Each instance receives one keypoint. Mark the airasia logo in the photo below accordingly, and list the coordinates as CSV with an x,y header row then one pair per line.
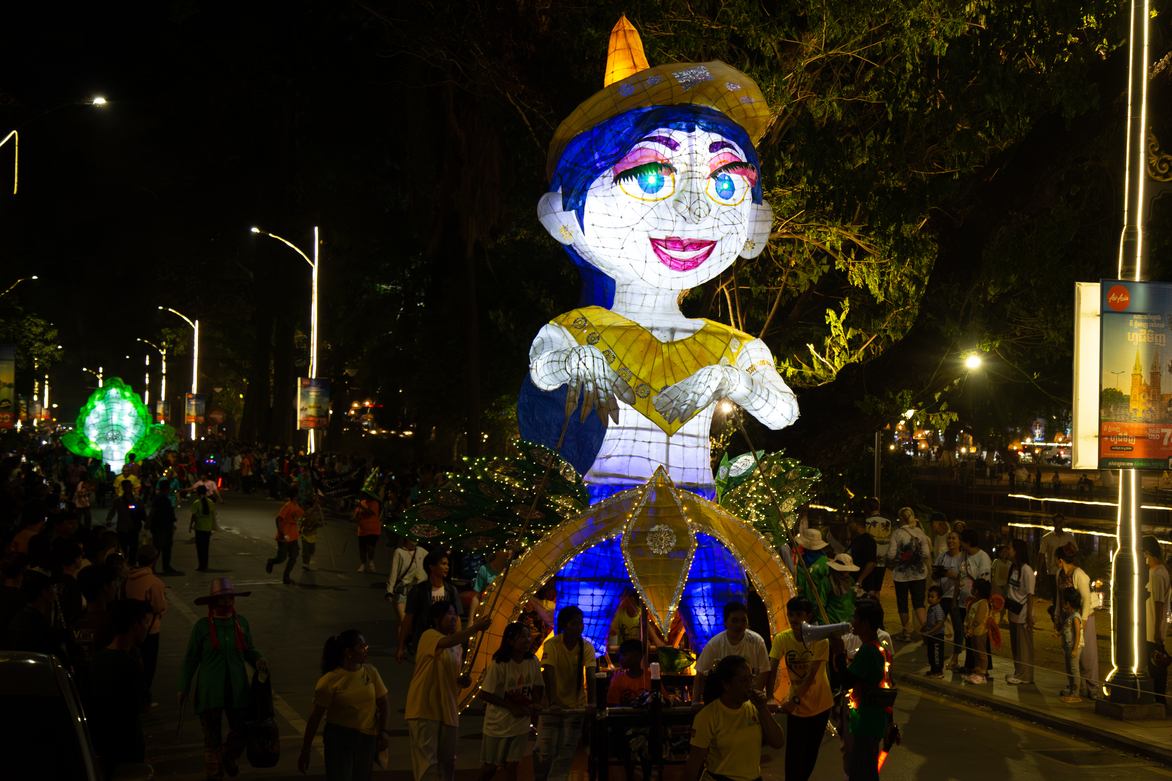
x,y
1118,298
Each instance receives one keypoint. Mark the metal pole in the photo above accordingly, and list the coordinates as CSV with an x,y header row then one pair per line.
x,y
195,370
878,465
313,329
1128,637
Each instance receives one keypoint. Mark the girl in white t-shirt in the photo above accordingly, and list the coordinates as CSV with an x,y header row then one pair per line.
x,y
513,689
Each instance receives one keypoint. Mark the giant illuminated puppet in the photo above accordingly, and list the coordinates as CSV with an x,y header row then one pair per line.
x,y
113,424
655,189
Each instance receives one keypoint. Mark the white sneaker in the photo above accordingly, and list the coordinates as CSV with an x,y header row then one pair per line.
x,y
1012,680
362,568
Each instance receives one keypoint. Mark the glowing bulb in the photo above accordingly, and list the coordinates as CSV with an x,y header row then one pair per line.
x,y
98,101
972,362
255,230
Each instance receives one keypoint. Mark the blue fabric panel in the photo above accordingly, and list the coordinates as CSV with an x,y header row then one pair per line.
x,y
540,417
595,580
714,580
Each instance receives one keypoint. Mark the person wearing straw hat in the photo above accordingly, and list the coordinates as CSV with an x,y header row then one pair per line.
x,y
840,603
218,648
654,189
813,571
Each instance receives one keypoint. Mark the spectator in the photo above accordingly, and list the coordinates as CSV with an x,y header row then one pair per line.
x,y
421,596
1047,564
122,513
736,640
975,565
34,516
908,553
12,600
567,668
353,699
1070,604
1159,590
203,523
367,513
947,573
81,500
93,629
432,712
513,690
862,552
162,522
728,732
142,583
67,561
933,632
879,528
940,529
976,629
32,629
999,571
406,570
287,534
808,702
1088,659
1019,601
118,691
219,648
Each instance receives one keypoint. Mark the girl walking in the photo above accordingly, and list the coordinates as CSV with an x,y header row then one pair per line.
x,y
353,699
513,689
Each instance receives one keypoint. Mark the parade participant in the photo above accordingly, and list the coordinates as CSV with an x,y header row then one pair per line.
x,y
1019,601
654,190
118,692
368,515
727,734
218,648
513,690
162,522
867,672
432,712
124,508
813,572
631,681
351,697
203,523
809,699
567,667
406,570
287,534
141,583
736,639
840,603
419,599
493,566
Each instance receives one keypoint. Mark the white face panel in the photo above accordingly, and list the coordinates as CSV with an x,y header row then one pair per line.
x,y
672,214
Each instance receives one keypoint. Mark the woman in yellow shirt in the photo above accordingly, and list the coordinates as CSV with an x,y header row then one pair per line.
x,y
727,734
351,696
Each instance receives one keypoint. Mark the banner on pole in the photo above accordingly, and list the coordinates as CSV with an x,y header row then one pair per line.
x,y
1135,421
339,486
195,403
162,411
34,409
313,403
22,407
8,407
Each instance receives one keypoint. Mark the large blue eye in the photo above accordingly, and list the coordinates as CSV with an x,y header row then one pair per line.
x,y
725,187
651,182
648,182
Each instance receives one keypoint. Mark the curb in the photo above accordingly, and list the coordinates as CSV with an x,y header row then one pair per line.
x,y
1067,726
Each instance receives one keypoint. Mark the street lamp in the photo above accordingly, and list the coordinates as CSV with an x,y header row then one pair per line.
x,y
163,370
195,357
15,136
97,374
14,284
313,264
972,362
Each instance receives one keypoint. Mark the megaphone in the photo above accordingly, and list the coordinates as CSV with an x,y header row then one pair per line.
x,y
812,634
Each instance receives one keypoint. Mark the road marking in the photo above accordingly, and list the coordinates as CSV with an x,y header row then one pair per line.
x,y
279,704
1021,724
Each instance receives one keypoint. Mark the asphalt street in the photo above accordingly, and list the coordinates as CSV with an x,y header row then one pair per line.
x,y
942,739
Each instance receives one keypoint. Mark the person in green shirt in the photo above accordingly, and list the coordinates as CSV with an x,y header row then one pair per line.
x,y
840,592
203,522
866,673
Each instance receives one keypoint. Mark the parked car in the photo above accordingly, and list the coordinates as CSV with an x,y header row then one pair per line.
x,y
44,726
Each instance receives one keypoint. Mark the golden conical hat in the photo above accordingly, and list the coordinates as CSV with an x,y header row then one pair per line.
x,y
624,56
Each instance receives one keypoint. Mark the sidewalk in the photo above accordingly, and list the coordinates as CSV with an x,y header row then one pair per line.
x,y
1037,702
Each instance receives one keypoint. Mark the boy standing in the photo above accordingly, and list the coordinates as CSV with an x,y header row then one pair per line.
x,y
286,536
933,633
632,681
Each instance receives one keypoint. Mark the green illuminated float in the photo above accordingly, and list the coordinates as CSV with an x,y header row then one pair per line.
x,y
115,422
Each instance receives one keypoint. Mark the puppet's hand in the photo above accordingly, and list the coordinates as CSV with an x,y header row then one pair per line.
x,y
599,385
687,397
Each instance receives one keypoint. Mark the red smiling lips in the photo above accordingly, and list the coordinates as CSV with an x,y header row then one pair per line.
x,y
682,254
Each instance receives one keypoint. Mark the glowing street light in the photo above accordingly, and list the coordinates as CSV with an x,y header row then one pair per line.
x,y
15,136
313,264
972,362
163,371
97,374
195,356
14,284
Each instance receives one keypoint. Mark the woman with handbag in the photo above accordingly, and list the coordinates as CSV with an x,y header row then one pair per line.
x,y
353,699
908,553
1019,601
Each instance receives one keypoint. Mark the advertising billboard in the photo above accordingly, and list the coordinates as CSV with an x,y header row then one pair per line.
x,y
8,408
194,411
313,403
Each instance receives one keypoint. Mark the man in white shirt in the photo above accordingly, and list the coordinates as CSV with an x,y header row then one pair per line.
x,y
1046,564
1159,589
879,528
975,565
406,570
736,640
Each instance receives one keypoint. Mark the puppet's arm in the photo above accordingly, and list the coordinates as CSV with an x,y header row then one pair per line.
x,y
555,359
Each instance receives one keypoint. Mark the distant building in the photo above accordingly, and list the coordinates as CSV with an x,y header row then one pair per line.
x,y
1148,401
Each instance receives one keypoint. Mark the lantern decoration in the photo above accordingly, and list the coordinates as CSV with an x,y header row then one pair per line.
x,y
113,423
487,507
750,497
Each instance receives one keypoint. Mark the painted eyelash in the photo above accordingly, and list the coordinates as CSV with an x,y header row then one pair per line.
x,y
646,168
747,170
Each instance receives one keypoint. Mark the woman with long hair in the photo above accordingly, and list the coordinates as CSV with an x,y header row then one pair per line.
x,y
1088,662
203,522
513,689
1019,601
353,699
728,732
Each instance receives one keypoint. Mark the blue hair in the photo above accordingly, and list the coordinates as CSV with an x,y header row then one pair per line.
x,y
590,153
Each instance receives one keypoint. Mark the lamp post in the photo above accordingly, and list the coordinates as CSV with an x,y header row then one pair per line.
x,y
97,374
162,370
195,356
313,264
15,136
14,284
